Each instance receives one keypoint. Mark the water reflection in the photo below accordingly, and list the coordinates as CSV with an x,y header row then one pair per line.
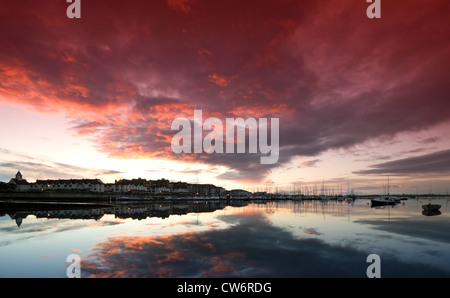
x,y
251,247
248,239
431,212
134,211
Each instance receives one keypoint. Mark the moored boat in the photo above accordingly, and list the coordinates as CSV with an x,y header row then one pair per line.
x,y
431,207
383,202
324,198
386,201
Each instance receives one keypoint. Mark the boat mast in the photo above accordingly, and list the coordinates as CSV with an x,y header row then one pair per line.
x,y
323,187
348,187
388,188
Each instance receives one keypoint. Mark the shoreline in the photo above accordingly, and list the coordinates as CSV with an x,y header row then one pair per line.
x,y
92,197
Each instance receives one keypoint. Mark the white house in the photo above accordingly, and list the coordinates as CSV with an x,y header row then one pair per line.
x,y
95,185
125,185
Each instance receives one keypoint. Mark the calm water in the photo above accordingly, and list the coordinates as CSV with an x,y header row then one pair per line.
x,y
198,239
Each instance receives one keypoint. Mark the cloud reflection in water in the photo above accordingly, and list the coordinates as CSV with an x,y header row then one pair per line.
x,y
250,247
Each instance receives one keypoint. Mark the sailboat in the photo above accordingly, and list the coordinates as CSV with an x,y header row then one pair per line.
x,y
323,197
349,197
384,201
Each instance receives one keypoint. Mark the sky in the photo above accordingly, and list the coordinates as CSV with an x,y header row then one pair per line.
x,y
358,99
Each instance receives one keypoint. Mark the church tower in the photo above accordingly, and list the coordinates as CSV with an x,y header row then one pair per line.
x,y
19,176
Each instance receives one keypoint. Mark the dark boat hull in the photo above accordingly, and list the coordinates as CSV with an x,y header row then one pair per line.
x,y
382,203
430,207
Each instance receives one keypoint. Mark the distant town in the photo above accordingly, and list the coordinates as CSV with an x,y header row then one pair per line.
x,y
126,187
162,187
129,186
138,187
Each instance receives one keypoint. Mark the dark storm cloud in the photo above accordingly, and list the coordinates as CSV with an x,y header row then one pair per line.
x,y
437,162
